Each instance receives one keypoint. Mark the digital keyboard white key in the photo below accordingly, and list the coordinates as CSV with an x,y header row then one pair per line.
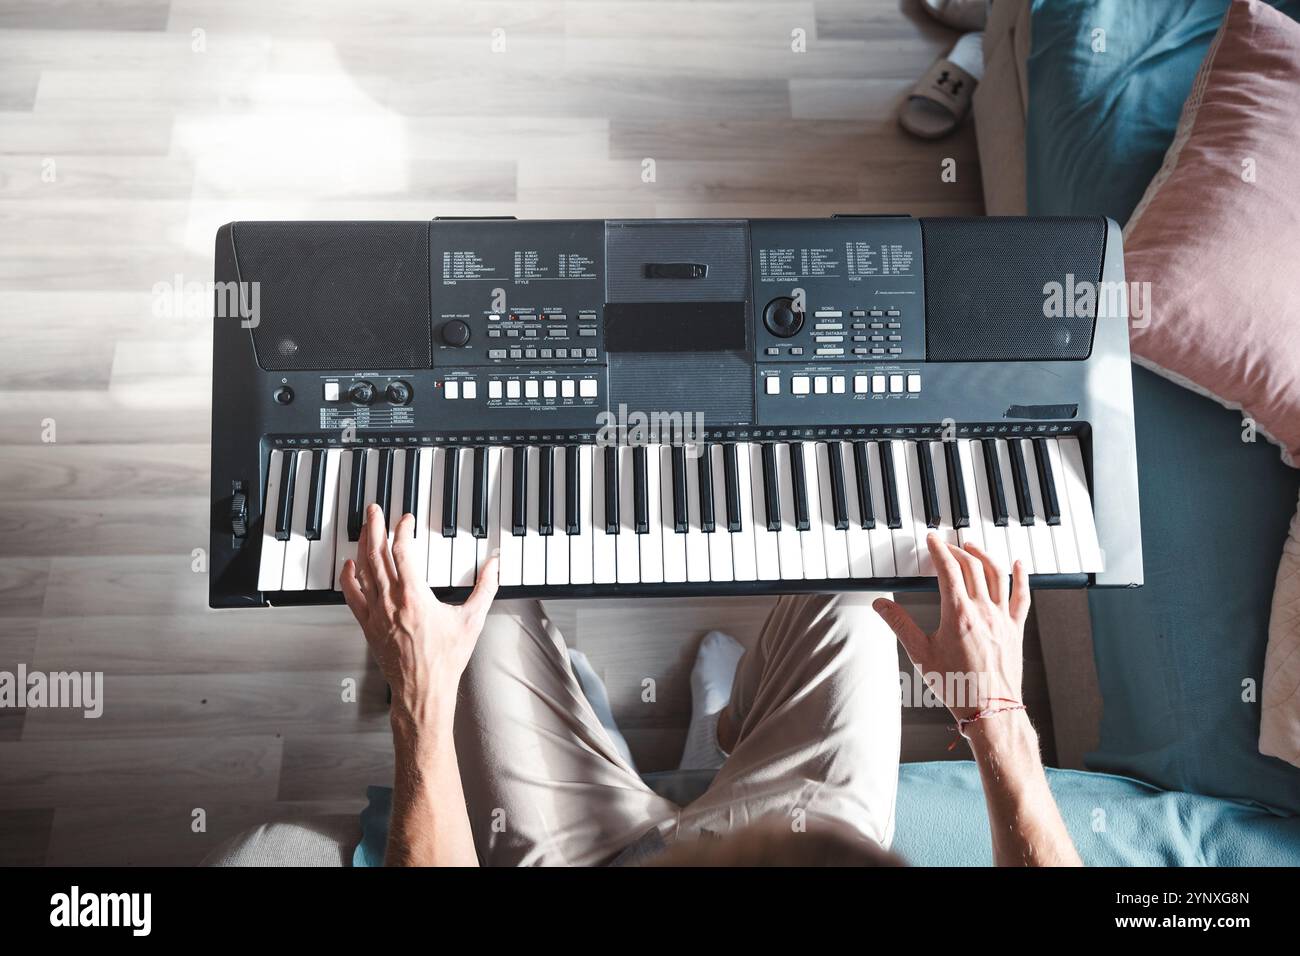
x,y
421,539
344,548
604,550
439,545
492,541
652,542
788,539
1075,480
674,544
557,545
298,547
882,539
396,482
580,545
920,530
697,545
1040,537
1067,549
512,545
720,568
743,561
270,572
464,547
320,555
767,549
1018,547
372,483
811,544
834,540
908,547
627,545
974,532
534,544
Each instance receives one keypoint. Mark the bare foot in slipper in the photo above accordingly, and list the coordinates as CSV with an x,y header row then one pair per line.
x,y
939,102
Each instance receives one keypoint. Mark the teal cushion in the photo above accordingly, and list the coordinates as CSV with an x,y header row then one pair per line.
x,y
942,820
1176,659
1114,821
1172,657
1099,123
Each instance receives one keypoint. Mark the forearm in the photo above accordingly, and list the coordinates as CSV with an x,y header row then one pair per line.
x,y
1026,825
429,825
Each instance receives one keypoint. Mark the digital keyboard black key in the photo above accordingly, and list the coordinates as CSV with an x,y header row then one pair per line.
x,y
384,481
611,489
284,508
771,488
681,510
704,466
839,504
479,519
640,491
572,493
545,490
799,480
862,473
316,497
1020,478
929,493
956,486
1047,482
519,492
893,516
357,494
731,479
450,492
993,474
411,486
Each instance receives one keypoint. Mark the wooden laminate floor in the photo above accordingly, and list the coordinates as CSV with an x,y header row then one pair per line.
x,y
131,129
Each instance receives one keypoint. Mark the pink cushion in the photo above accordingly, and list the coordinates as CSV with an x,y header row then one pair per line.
x,y
1221,253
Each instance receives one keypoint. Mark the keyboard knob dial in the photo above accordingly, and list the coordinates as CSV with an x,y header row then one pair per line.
x,y
456,333
362,393
398,393
781,318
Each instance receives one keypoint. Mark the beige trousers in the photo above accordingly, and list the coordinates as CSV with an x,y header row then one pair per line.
x,y
816,701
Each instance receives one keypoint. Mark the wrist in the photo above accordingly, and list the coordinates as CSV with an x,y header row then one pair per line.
x,y
1007,735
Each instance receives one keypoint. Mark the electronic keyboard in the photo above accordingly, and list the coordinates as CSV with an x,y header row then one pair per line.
x,y
671,407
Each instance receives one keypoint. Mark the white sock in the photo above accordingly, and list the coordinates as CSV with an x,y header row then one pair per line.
x,y
968,53
711,681
594,690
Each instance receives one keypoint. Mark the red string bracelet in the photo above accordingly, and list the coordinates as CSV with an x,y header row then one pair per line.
x,y
964,722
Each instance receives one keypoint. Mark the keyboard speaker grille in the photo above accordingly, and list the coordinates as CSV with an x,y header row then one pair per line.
x,y
984,287
717,385
338,295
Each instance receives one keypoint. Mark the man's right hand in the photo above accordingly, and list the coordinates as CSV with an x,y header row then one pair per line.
x,y
981,627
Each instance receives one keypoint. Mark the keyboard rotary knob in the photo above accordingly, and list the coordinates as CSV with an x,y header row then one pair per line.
x,y
398,393
362,393
239,514
456,333
781,318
